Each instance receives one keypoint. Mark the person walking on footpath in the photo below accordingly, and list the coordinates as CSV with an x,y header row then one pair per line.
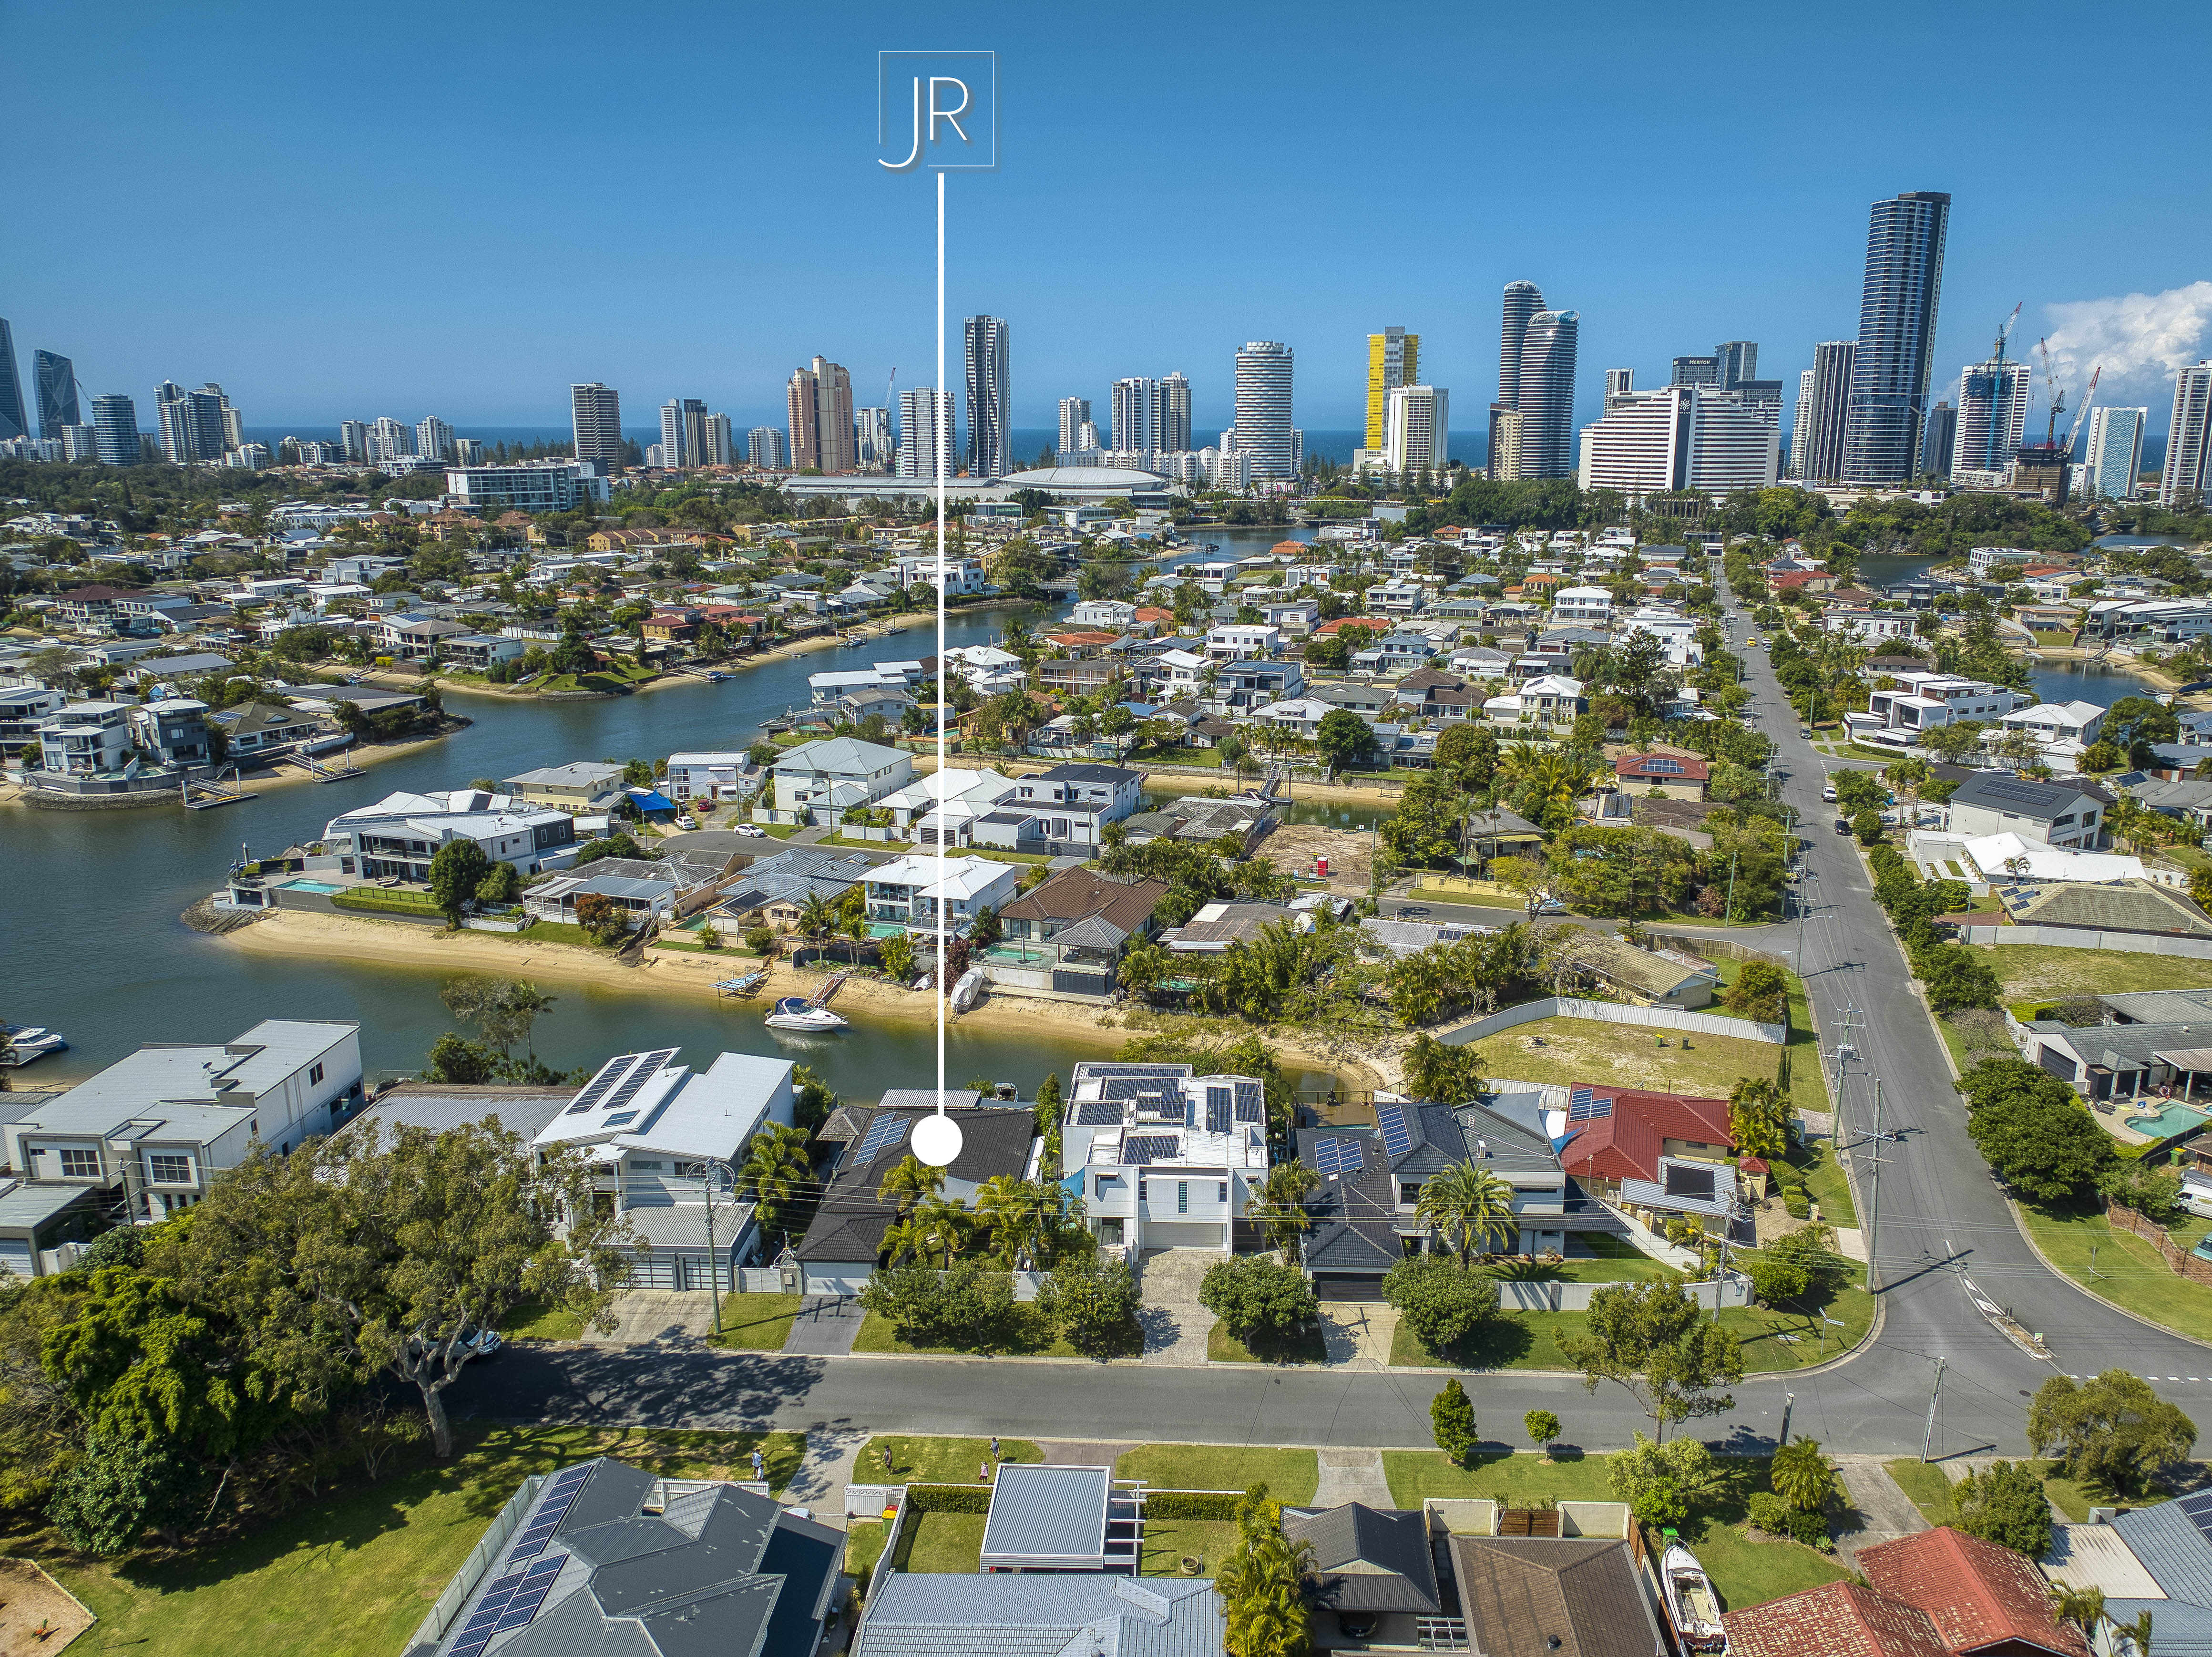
x,y
760,1468
995,1456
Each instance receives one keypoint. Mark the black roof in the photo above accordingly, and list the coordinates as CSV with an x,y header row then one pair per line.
x,y
2019,796
850,1223
1390,1547
1076,772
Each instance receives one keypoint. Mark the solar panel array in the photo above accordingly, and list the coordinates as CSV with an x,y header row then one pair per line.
x,y
1217,1104
1654,764
619,1119
1397,1136
1097,1113
886,1130
1584,1105
1251,1102
599,1086
2198,1510
552,1508
1170,1072
646,1070
1138,1149
1339,1154
508,1604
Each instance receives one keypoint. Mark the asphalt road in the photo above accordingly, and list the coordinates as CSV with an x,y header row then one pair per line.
x,y
1942,1229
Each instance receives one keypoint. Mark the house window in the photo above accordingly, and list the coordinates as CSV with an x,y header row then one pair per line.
x,y
80,1164
1144,1191
315,1075
170,1170
1182,1196
1221,1191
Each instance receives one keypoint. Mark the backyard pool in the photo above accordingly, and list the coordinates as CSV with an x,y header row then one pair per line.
x,y
1014,954
2172,1120
322,886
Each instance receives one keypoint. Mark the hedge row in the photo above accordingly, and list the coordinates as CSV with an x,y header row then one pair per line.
x,y
949,1498
1190,1504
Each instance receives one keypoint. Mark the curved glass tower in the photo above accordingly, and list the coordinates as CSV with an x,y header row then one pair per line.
x,y
1897,334
1546,394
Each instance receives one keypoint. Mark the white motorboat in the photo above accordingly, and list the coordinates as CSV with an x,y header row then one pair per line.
x,y
967,988
27,1042
1692,1604
796,1013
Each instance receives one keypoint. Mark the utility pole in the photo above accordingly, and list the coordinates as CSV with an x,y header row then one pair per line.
x,y
1874,1193
1789,1403
1934,1392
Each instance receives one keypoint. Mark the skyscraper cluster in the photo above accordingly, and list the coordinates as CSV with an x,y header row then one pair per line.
x,y
690,436
1532,423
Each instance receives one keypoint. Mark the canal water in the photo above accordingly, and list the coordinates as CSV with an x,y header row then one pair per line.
x,y
95,948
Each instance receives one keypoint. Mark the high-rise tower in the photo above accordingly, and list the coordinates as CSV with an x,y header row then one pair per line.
x,y
1522,301
990,440
1816,446
55,376
2189,439
2114,456
1074,415
1263,409
1897,301
1135,413
1174,413
595,412
1394,359
1546,394
12,421
115,429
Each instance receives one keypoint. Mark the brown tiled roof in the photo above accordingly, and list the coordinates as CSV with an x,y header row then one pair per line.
x,y
1975,1593
1520,1593
1076,894
1838,1619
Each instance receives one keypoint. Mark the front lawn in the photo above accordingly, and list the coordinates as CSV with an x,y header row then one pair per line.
x,y
351,1573
1817,1170
1305,1346
2045,972
1414,1474
532,1320
1290,1475
755,1323
2125,1269
948,1544
1027,1335
1928,1485
1772,1340
935,1460
1167,1540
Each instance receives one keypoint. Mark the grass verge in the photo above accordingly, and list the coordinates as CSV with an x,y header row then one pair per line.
x,y
532,1320
755,1323
1026,1336
1291,1476
2123,1268
1928,1487
936,1461
1304,1347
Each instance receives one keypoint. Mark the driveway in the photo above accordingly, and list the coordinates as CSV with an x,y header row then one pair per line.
x,y
1174,1324
643,1316
827,1325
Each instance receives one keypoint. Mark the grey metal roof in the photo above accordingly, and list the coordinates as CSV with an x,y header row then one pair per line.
x,y
1042,1512
2022,798
918,1615
925,1099
2174,1549
1368,1558
442,1105
2160,1006
25,1206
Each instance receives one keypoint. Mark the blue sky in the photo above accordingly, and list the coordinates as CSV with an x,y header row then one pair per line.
x,y
458,209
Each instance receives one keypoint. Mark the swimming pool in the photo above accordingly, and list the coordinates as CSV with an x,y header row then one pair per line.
x,y
322,886
2173,1119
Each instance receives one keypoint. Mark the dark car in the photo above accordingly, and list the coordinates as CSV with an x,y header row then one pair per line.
x,y
1842,825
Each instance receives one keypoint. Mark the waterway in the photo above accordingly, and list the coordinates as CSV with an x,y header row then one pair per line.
x,y
95,948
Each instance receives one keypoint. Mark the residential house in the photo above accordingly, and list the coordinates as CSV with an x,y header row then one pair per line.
x,y
255,727
2156,1559
1395,653
1073,930
1554,1596
22,709
1045,1611
963,576
1363,1208
1588,604
584,785
1651,1154
1080,675
947,803
1300,718
1939,1593
819,782
653,1129
1548,699
1294,617
2058,722
774,891
148,1134
709,776
397,835
2139,906
1871,626
1241,642
1192,817
1115,615
1164,1158
415,637
2064,814
607,1560
1649,978
1215,926
1920,702
94,609
912,891
481,652
1677,775
1371,1566
844,1243
1076,801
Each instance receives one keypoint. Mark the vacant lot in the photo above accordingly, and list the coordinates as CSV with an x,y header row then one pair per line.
x,y
1350,853
2030,971
1571,1051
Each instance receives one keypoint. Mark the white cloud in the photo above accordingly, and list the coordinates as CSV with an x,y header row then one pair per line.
x,y
2139,340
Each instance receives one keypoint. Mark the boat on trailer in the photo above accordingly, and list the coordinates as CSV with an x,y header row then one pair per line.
x,y
1691,1605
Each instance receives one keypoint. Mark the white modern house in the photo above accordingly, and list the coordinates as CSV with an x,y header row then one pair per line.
x,y
1590,604
2058,722
910,891
1241,642
2067,815
1921,703
399,834
1165,1157
1300,716
962,575
707,776
949,802
656,1132
1116,615
819,782
988,669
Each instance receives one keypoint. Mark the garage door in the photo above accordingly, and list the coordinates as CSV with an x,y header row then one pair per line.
x,y
655,1270
15,1255
842,1279
1348,1285
1183,1234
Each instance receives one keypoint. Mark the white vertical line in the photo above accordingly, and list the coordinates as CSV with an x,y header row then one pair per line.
x,y
944,446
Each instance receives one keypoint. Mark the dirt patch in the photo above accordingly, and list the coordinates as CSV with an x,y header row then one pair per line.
x,y
1350,853
31,1601
1583,1051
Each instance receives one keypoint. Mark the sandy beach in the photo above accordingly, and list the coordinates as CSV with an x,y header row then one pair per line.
x,y
300,933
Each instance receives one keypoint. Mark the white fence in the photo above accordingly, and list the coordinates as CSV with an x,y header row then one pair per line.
x,y
759,1280
1615,1012
2066,937
1513,1296
433,1627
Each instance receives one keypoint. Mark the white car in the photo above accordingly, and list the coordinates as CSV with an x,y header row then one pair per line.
x,y
687,822
1828,794
2197,1199
751,830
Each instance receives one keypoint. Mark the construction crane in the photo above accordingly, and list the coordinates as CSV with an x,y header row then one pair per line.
x,y
2057,397
1993,455
2088,398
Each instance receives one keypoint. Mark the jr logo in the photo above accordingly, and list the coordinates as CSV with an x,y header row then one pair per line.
x,y
941,108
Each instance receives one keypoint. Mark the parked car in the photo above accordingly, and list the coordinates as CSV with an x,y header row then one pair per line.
x,y
687,822
1842,825
1828,794
750,830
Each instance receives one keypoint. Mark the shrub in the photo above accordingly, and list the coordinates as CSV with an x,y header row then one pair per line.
x,y
1811,1529
760,941
1191,1504
1770,1512
1257,1294
1797,1200
2005,1505
1451,1416
1441,1301
949,1498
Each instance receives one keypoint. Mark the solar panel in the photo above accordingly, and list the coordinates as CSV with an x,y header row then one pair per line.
x,y
1170,1071
552,1508
597,1087
1577,1096
2198,1510
647,1067
883,1132
1689,1182
1143,1149
1218,1102
1339,1154
619,1119
1251,1103
1588,1107
1397,1138
1097,1113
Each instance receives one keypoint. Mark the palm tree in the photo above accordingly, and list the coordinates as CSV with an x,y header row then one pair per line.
x,y
1282,1212
910,1182
776,1165
1009,1209
1802,1476
2083,1608
2136,1633
943,1227
818,917
1466,1203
